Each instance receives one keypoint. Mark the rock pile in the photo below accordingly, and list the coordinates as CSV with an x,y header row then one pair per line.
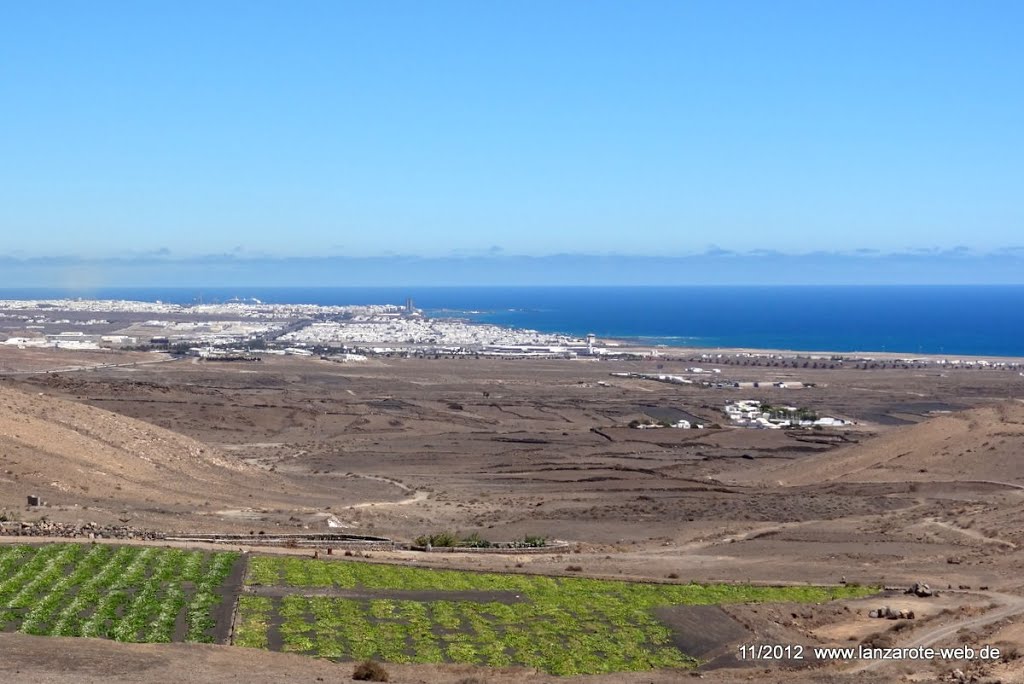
x,y
920,589
889,614
83,530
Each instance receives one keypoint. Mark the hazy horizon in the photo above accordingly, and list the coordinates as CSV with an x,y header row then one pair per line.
x,y
718,267
511,132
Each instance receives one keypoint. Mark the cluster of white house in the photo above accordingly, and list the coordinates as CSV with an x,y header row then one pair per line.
x,y
172,332
252,308
679,424
40,320
415,331
206,333
70,340
657,377
750,413
295,329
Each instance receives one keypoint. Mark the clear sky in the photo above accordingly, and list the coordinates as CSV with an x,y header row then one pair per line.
x,y
531,127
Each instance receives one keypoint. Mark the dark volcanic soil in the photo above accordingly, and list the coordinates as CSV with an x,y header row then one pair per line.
x,y
401,448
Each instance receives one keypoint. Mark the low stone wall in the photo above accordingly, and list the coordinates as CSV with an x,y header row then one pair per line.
x,y
76,531
553,547
312,541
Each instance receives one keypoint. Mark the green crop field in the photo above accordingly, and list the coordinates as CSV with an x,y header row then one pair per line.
x,y
401,614
127,593
352,610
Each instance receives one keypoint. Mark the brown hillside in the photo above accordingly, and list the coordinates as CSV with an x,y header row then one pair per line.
x,y
87,462
979,444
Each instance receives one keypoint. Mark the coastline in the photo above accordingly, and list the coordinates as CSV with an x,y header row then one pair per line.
x,y
631,343
548,326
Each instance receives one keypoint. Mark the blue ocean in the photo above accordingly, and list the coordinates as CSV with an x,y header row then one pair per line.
x,y
952,320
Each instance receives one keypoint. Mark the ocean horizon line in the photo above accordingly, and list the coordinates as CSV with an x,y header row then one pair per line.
x,y
958,320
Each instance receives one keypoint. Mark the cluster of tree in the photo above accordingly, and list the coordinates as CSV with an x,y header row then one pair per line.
x,y
452,539
474,541
784,413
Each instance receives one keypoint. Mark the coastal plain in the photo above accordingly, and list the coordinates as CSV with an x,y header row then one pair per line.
x,y
923,484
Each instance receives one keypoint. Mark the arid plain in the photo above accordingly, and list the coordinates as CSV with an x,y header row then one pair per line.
x,y
925,485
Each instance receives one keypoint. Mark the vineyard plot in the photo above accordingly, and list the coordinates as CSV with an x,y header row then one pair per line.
x,y
126,593
564,626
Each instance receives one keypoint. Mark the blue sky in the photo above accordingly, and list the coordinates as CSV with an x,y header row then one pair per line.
x,y
354,129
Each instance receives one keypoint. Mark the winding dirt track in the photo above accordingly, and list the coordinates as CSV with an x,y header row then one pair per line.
x,y
416,497
1011,607
973,534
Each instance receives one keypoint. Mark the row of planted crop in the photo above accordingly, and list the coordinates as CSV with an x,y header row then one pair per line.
x,y
98,596
46,597
549,637
33,577
303,572
126,593
200,617
564,626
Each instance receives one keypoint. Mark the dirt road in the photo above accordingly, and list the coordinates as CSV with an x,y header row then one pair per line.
x,y
1010,606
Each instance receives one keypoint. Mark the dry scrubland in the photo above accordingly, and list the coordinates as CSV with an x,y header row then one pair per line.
x,y
927,486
